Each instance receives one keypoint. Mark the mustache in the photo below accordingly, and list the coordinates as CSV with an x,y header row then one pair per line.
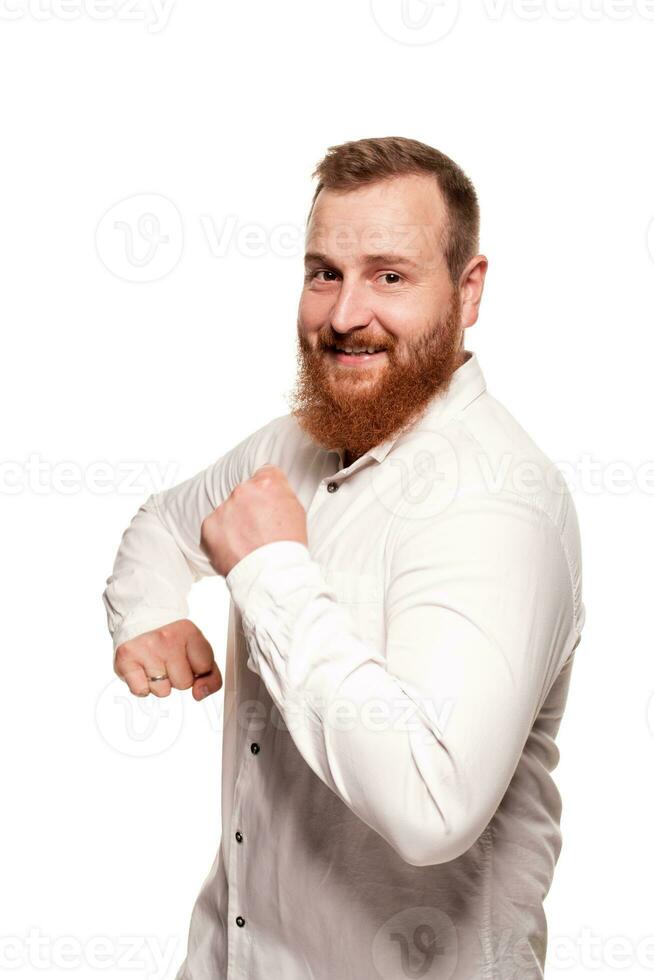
x,y
325,342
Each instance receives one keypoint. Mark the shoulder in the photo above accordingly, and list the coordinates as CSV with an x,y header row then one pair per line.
x,y
480,468
495,455
498,459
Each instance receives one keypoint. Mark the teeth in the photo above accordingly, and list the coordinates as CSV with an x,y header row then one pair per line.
x,y
359,350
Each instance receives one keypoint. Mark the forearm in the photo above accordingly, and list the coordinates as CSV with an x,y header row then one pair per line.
x,y
150,580
160,554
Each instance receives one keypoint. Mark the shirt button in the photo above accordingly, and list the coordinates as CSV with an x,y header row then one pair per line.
x,y
332,487
240,921
254,748
239,836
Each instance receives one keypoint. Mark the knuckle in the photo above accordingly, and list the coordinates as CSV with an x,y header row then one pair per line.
x,y
209,523
166,640
122,655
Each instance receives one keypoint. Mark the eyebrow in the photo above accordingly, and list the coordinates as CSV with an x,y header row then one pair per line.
x,y
387,259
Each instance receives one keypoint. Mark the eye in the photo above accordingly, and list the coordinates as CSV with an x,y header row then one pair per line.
x,y
311,274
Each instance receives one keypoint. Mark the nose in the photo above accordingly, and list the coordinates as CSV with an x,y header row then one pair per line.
x,y
350,311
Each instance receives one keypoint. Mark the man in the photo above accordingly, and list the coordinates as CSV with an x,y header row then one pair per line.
x,y
404,570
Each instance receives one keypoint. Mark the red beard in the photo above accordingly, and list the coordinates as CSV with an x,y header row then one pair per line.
x,y
344,409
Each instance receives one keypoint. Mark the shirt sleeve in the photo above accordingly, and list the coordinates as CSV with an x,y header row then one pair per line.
x,y
419,739
159,556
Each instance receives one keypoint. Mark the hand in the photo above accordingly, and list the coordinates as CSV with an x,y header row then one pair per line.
x,y
178,649
257,511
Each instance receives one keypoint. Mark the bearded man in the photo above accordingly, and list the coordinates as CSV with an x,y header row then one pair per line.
x,y
404,571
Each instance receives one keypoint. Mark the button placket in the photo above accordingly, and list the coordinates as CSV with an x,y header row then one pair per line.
x,y
234,896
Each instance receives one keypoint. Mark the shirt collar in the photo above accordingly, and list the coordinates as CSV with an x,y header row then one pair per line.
x,y
466,383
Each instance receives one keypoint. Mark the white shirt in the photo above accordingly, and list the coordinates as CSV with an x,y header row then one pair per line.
x,y
392,696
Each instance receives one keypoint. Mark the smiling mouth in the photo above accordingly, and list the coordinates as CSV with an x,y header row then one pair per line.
x,y
355,355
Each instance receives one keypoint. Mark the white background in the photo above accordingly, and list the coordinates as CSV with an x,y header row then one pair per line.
x,y
111,807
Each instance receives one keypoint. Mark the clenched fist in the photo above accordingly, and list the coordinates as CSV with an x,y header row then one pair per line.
x,y
257,511
179,650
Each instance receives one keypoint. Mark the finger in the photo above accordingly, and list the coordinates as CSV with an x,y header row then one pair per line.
x,y
205,669
179,672
207,684
136,681
154,667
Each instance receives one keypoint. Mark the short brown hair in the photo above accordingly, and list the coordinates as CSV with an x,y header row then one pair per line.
x,y
365,161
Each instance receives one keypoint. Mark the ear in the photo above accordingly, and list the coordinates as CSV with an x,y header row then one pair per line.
x,y
471,287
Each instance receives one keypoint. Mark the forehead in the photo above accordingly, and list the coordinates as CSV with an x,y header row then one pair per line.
x,y
404,214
